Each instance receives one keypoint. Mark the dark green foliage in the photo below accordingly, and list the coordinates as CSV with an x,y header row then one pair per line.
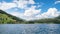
x,y
2,12
31,22
48,20
6,18
58,17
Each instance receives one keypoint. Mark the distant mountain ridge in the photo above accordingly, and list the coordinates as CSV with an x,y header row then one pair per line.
x,y
6,18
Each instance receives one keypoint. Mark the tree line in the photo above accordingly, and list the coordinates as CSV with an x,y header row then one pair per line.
x,y
6,18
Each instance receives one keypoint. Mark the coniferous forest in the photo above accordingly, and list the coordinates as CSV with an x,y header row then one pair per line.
x,y
6,18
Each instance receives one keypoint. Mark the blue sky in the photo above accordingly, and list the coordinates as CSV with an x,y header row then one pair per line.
x,y
31,9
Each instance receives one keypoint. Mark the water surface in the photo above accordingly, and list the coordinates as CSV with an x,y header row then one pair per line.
x,y
29,28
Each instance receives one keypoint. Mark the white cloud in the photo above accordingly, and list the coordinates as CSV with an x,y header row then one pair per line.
x,y
31,11
5,6
31,2
20,4
57,2
52,12
27,1
18,14
28,14
23,3
15,13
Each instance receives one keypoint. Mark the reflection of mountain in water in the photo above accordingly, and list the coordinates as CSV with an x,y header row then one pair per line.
x,y
30,29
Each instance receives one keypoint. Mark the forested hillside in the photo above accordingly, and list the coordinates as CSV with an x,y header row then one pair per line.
x,y
6,18
55,20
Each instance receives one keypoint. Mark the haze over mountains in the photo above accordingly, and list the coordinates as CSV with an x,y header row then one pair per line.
x,y
6,18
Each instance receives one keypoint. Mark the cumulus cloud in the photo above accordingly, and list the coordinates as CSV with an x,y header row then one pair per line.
x,y
52,12
23,3
5,6
28,14
27,1
20,3
57,2
16,3
15,13
32,11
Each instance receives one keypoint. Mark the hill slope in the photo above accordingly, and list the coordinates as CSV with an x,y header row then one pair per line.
x,y
55,20
6,18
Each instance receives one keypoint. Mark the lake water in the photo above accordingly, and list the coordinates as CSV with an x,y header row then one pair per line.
x,y
29,28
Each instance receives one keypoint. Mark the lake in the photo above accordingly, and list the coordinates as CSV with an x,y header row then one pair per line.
x,y
29,28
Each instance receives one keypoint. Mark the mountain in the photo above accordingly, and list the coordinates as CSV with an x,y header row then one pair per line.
x,y
6,18
55,20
